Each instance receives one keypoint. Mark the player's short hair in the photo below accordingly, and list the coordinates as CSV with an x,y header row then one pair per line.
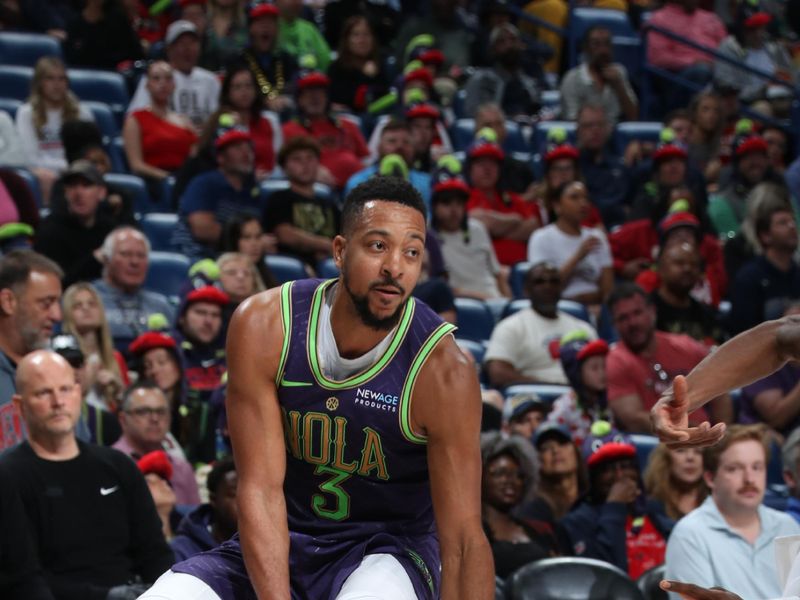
x,y
733,435
217,474
379,187
16,267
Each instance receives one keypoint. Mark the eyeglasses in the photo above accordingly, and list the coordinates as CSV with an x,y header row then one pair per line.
x,y
147,412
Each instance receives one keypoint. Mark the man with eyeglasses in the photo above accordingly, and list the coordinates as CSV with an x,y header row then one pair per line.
x,y
88,511
145,420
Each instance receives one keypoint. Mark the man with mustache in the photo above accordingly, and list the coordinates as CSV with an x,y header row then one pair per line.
x,y
353,483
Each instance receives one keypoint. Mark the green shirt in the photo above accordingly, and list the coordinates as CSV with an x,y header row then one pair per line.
x,y
300,37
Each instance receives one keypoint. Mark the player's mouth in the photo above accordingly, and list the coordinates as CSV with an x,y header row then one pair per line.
x,y
388,293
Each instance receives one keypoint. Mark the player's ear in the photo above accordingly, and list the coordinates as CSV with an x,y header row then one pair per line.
x,y
339,249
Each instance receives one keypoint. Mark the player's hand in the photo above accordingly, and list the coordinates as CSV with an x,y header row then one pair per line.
x,y
670,419
689,591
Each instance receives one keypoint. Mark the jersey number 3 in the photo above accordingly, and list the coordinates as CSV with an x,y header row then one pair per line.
x,y
336,508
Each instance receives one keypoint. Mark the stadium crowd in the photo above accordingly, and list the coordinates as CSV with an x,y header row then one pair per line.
x,y
612,190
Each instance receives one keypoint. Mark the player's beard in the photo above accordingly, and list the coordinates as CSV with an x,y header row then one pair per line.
x,y
361,304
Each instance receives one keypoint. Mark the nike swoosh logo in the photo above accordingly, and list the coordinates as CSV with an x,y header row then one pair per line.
x,y
107,491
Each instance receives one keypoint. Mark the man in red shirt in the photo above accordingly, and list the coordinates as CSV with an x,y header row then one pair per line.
x,y
342,146
641,366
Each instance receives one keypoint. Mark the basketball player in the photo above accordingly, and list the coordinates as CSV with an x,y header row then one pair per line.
x,y
355,418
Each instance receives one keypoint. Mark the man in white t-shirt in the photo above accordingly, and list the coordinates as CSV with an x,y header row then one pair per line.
x,y
523,347
196,93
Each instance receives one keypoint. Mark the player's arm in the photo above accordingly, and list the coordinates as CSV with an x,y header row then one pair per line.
x,y
448,386
254,418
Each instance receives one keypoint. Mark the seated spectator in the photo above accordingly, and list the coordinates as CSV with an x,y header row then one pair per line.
x,y
73,239
469,257
145,418
106,373
508,218
196,90
441,19
504,83
215,197
423,120
99,545
239,279
605,173
680,122
101,37
674,478
515,175
226,34
598,79
766,281
157,471
777,148
157,139
300,38
244,234
615,522
581,254
358,76
584,364
211,523
304,223
509,475
523,346
47,16
39,121
643,363
791,474
523,414
730,537
342,146
676,310
705,135
125,254
11,153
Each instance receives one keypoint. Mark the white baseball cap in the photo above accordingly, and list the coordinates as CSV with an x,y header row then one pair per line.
x,y
177,29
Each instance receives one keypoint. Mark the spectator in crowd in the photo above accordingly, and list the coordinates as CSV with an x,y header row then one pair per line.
x,y
705,134
105,372
125,255
750,167
600,80
469,257
581,254
523,413
730,537
145,418
304,223
11,153
515,175
48,16
679,272
358,76
605,173
300,38
238,278
764,283
509,476
674,478
211,523
158,140
72,239
684,18
30,294
157,471
342,147
614,522
442,21
423,119
791,473
196,91
777,148
100,36
98,545
584,363
504,83
523,346
508,218
680,122
39,121
643,363
244,234
226,33
215,197
273,68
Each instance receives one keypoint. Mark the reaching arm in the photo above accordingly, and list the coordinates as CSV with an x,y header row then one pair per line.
x,y
253,348
132,138
448,385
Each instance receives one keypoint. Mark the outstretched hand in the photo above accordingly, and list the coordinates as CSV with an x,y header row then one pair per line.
x,y
689,591
670,419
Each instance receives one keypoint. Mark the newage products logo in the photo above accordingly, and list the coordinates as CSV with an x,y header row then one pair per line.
x,y
379,400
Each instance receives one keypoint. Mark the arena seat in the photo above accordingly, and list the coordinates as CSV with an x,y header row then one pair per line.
x,y
641,131
582,19
158,228
648,583
25,49
571,579
101,86
540,131
167,274
546,391
10,105
104,119
576,309
33,184
475,320
644,445
116,150
517,278
551,99
463,132
15,82
499,589
134,185
477,349
627,51
285,268
270,186
327,269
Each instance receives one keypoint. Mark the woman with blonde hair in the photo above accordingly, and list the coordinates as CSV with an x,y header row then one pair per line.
x,y
85,319
674,478
39,121
239,277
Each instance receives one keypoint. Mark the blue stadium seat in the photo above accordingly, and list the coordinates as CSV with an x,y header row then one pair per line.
x,y
33,184
641,131
477,349
583,18
516,305
116,150
101,86
540,131
551,99
475,320
15,82
270,186
10,106
644,444
327,269
167,274
24,49
571,578
627,51
546,391
775,465
463,132
105,120
158,228
167,185
517,278
576,309
135,185
497,306
285,268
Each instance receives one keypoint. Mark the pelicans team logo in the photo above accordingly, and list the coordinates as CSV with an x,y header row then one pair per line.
x,y
332,403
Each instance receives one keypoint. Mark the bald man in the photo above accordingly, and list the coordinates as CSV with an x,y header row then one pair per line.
x,y
88,509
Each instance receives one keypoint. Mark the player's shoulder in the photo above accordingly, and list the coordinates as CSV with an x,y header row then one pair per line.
x,y
447,367
259,310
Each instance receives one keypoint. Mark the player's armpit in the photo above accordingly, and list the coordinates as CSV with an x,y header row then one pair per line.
x,y
446,407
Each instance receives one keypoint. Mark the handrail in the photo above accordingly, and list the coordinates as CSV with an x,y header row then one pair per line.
x,y
517,11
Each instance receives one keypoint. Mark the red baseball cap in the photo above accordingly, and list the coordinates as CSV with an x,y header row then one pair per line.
x,y
208,293
151,340
156,462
